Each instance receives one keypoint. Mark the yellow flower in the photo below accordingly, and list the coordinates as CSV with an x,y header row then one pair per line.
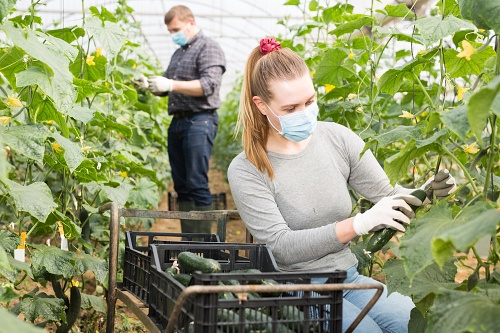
x,y
49,122
461,91
406,115
351,54
86,148
467,51
102,102
134,66
14,101
98,52
57,147
471,149
329,87
481,30
4,120
122,174
312,73
351,96
421,52
75,283
90,60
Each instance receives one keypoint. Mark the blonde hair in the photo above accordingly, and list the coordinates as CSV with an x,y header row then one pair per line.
x,y
260,72
183,13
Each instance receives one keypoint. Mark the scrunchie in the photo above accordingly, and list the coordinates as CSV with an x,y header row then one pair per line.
x,y
269,45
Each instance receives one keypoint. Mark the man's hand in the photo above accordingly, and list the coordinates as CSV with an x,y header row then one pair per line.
x,y
160,84
391,212
442,184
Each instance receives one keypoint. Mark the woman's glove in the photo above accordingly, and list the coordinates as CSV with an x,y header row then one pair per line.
x,y
442,184
391,212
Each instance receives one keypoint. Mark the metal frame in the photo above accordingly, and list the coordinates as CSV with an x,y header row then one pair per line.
x,y
113,293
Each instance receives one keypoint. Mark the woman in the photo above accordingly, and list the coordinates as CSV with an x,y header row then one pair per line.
x,y
290,184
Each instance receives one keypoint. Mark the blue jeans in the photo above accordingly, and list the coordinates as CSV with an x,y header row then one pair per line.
x,y
190,142
390,314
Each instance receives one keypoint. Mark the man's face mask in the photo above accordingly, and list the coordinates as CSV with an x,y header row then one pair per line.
x,y
299,125
179,37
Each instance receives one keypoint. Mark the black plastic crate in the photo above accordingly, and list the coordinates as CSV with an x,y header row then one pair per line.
x,y
201,313
137,257
219,201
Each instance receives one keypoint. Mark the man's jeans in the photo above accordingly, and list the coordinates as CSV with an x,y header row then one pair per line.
x,y
390,314
190,142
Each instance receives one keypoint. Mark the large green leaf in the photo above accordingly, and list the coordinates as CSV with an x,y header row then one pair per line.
x,y
98,266
81,113
108,124
10,64
15,268
28,140
73,154
400,10
461,67
91,302
352,25
145,194
63,92
59,45
42,305
479,105
109,35
424,286
484,13
44,109
4,260
334,68
459,311
86,172
88,88
71,230
7,294
9,241
35,199
55,261
456,121
474,223
399,133
5,7
10,323
117,194
69,34
433,28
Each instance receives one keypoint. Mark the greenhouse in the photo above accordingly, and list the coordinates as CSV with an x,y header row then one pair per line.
x,y
249,166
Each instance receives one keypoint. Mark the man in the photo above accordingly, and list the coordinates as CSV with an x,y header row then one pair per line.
x,y
192,83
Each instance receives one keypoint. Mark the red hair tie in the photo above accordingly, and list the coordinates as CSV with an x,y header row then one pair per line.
x,y
269,45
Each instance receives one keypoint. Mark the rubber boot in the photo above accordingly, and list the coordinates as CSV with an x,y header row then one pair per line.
x,y
187,226
204,226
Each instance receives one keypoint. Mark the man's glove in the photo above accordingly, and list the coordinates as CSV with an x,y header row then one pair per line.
x,y
391,212
160,84
441,184
141,83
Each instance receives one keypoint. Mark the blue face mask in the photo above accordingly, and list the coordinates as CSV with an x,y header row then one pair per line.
x,y
299,125
180,38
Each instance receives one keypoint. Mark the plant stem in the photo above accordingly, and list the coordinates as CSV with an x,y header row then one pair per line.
x,y
489,167
464,169
424,91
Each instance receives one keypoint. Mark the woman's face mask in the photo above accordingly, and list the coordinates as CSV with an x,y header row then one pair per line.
x,y
299,125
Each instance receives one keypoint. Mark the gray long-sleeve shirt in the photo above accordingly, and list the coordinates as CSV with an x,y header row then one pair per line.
x,y
295,214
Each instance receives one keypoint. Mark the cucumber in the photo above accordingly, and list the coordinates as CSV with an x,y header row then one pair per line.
x,y
191,262
229,321
226,294
381,237
251,295
296,317
264,323
183,279
170,270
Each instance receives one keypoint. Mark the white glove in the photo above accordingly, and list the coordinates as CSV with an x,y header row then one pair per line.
x,y
141,83
391,212
160,84
441,184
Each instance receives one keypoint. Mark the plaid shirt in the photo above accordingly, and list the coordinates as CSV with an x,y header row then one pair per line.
x,y
200,59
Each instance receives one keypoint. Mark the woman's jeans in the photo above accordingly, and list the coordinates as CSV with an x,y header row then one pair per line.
x,y
190,142
390,314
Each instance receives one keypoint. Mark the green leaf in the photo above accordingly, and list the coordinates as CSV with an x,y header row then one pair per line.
x,y
10,64
98,266
26,39
110,36
397,165
69,34
35,199
424,286
72,152
351,26
5,7
71,230
9,241
108,124
119,195
46,110
4,260
458,311
55,261
90,302
145,194
461,67
16,267
456,121
28,140
415,245
472,224
433,28
418,322
400,10
399,133
86,172
87,88
334,68
381,32
81,113
391,80
58,45
10,323
7,294
42,305
484,13
479,105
